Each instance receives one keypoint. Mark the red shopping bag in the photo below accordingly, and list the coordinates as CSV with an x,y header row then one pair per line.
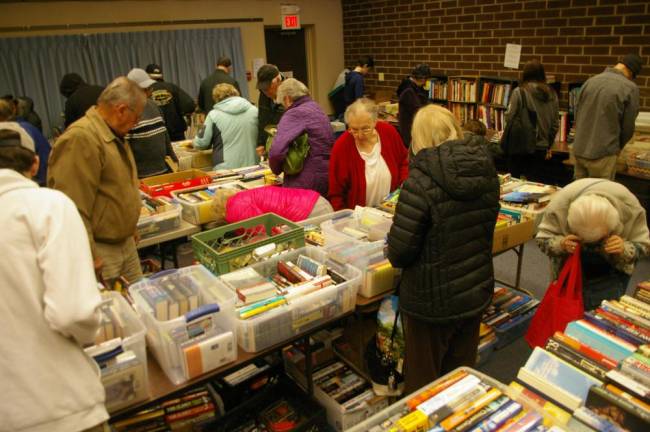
x,y
561,304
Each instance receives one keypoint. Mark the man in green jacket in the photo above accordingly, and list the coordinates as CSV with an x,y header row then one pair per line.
x,y
93,164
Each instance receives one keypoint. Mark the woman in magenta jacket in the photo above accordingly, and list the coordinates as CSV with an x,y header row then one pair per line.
x,y
368,161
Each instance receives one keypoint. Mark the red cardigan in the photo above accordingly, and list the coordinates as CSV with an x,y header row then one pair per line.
x,y
347,171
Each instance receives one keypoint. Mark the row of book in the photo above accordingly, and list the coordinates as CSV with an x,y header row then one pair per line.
x,y
599,367
491,117
343,385
437,89
152,206
181,413
171,296
495,93
463,112
111,325
258,294
463,90
563,130
464,400
574,95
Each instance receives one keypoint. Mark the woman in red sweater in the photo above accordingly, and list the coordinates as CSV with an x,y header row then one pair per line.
x,y
368,161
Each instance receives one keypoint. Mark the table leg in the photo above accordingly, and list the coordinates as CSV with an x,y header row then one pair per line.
x,y
308,366
520,259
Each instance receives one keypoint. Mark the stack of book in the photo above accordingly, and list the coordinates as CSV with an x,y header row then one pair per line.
x,y
563,131
464,401
389,203
343,385
486,344
599,368
642,292
463,112
172,296
437,89
258,294
463,90
529,198
492,118
111,325
152,206
509,314
178,414
495,93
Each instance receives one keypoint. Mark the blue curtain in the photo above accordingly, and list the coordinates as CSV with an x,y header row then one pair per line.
x,y
34,66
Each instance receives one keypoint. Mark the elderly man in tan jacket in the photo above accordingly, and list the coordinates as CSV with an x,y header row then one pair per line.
x,y
93,164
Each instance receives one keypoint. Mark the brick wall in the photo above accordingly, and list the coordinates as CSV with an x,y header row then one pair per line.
x,y
574,39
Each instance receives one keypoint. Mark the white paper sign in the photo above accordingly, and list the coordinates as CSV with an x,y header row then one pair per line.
x,y
513,53
287,74
257,64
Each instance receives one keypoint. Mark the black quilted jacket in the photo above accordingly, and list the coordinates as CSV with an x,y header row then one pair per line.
x,y
442,232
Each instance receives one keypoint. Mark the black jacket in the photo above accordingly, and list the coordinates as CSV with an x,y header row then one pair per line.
x,y
411,98
205,92
174,103
442,232
78,103
269,113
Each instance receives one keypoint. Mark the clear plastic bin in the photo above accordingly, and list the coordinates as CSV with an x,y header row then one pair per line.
x,y
202,212
149,226
303,313
312,226
179,358
129,384
374,224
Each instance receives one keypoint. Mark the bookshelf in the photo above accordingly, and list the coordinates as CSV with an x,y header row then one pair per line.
x,y
573,92
438,87
494,96
463,97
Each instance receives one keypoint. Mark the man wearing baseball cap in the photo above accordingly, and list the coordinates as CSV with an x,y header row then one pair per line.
x,y
173,101
270,112
149,139
605,114
51,301
221,75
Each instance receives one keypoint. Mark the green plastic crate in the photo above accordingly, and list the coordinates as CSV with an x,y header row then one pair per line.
x,y
225,262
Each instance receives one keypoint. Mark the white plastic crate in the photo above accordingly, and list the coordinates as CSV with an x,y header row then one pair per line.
x,y
179,358
203,212
149,226
313,226
375,224
130,384
303,313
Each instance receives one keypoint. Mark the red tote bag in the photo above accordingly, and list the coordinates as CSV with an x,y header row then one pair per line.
x,y
561,304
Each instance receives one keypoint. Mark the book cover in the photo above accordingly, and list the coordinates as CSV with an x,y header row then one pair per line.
x,y
638,389
207,353
617,410
611,327
609,345
576,359
607,362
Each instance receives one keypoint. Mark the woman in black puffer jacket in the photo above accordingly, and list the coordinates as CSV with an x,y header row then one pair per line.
x,y
442,239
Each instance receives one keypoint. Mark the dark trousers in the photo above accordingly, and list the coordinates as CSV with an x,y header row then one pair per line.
x,y
433,350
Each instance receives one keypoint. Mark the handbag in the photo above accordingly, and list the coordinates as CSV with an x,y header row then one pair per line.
x,y
561,304
383,365
520,134
296,155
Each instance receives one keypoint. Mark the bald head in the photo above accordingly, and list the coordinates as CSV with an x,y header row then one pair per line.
x,y
121,104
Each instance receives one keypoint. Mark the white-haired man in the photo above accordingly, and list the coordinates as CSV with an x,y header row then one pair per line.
x,y
93,164
609,223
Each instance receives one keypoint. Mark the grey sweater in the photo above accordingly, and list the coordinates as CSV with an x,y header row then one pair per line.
x,y
605,114
544,104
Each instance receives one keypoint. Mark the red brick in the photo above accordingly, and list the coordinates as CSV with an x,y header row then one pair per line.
x,y
601,31
545,50
466,18
636,40
603,10
572,49
589,69
548,13
636,19
534,5
630,9
586,21
603,60
610,20
525,14
555,22
552,59
510,24
597,50
629,30
572,31
472,10
546,31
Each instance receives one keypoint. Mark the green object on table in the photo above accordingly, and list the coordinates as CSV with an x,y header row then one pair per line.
x,y
298,150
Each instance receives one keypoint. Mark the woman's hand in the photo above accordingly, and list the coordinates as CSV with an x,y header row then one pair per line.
x,y
614,245
569,243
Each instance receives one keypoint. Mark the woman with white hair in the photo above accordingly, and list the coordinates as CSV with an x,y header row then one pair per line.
x,y
368,161
302,116
610,225
441,238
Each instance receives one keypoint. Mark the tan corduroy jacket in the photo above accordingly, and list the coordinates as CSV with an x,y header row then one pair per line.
x,y
97,171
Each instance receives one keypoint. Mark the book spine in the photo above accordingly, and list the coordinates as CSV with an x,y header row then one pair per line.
x,y
598,395
192,412
629,383
498,419
570,356
481,414
586,350
462,415
625,395
461,387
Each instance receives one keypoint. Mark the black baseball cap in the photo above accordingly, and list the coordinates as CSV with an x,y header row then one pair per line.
x,y
265,75
154,71
634,63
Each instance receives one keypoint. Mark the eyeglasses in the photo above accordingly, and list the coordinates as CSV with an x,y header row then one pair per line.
x,y
362,131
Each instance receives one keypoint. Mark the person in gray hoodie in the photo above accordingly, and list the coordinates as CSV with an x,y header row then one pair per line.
x,y
230,129
541,101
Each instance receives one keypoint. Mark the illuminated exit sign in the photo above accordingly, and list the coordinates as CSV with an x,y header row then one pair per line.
x,y
291,22
290,17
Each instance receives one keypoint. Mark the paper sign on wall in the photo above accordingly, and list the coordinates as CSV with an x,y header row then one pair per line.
x,y
513,54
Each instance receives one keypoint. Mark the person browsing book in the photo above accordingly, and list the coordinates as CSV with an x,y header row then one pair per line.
x,y
441,238
609,223
50,304
368,161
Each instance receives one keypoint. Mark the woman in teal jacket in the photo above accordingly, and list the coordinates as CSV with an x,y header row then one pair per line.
x,y
230,129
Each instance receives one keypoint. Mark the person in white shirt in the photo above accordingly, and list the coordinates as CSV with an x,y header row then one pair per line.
x,y
50,303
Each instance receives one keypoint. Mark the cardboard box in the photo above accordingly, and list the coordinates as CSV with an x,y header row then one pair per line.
x,y
189,157
162,185
509,237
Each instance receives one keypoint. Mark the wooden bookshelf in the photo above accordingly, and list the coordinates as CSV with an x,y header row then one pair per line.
x,y
438,87
494,97
463,97
572,94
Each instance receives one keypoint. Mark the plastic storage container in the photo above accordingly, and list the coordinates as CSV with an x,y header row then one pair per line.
x,y
364,225
512,330
312,226
179,356
303,313
165,183
239,245
129,383
149,226
198,213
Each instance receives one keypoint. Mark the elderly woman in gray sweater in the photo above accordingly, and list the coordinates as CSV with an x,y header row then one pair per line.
x,y
610,225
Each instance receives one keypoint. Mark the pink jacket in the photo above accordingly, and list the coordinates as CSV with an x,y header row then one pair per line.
x,y
292,204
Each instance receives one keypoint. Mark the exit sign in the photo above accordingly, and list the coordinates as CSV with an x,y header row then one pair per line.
x,y
290,22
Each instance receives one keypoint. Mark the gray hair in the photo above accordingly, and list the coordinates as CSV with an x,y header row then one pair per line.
x,y
122,91
6,110
293,88
362,105
592,217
